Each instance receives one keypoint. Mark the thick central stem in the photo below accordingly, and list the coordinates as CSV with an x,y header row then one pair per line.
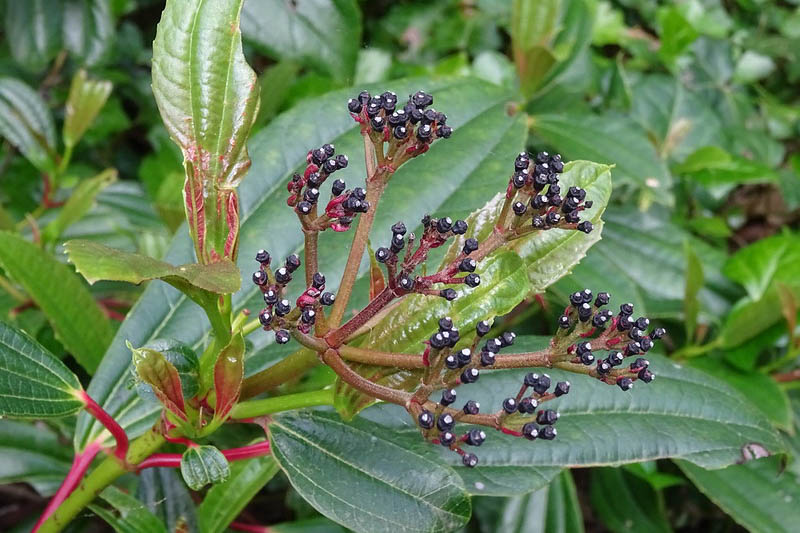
x,y
376,184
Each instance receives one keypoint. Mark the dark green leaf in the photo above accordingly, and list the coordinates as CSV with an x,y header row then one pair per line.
x,y
711,165
758,495
223,502
33,382
88,29
313,525
26,122
684,413
760,388
301,31
208,98
97,262
552,509
77,320
679,121
622,264
32,454
203,465
626,503
127,514
79,203
165,494
366,484
86,99
33,32
609,139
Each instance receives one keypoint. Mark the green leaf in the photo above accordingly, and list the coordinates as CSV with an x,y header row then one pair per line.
x,y
301,31
552,509
763,268
684,414
127,514
753,66
563,507
208,98
311,525
77,320
609,139
638,507
228,375
694,282
26,122
33,382
676,34
761,389
203,465
223,502
86,99
32,454
547,37
758,494
366,485
622,264
165,494
97,262
711,165
677,120
79,203
475,158
33,32
88,29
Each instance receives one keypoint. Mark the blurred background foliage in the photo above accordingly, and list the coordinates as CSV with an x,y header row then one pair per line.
x,y
695,102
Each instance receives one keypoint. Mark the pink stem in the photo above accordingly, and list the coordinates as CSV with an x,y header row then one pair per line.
x,y
94,409
173,460
169,460
252,528
80,464
246,452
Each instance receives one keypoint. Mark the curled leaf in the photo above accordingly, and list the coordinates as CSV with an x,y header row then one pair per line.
x,y
203,465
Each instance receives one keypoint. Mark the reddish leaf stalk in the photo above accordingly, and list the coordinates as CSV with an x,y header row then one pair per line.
x,y
80,464
94,409
252,528
173,460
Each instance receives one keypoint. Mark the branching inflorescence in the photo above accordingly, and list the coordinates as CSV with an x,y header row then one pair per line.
x,y
533,202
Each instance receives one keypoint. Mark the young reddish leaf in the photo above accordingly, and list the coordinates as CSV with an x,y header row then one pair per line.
x,y
228,375
154,369
208,98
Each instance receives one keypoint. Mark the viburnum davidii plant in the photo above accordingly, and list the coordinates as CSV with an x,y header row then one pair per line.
x,y
226,395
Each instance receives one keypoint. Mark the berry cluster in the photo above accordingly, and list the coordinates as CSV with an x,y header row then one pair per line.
x,y
304,192
436,232
447,367
408,130
621,335
278,314
534,191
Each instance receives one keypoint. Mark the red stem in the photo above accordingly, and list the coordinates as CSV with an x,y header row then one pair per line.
x,y
80,464
173,460
94,409
169,460
252,528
